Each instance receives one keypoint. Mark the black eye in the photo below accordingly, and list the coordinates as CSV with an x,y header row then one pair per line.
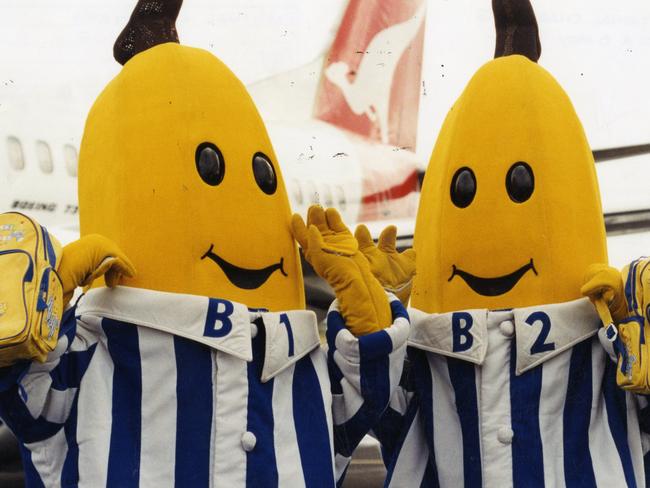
x,y
210,163
520,182
264,174
463,187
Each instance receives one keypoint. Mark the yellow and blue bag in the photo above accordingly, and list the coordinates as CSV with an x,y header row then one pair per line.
x,y
31,294
630,337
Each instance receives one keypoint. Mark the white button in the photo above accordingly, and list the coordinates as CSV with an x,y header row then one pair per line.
x,y
253,331
507,328
505,434
248,441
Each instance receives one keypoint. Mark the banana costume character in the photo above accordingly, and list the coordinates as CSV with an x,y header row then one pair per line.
x,y
508,383
202,368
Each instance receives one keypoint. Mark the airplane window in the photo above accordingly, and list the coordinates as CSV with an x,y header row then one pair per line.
x,y
340,197
312,193
71,160
297,193
327,193
385,203
15,151
44,156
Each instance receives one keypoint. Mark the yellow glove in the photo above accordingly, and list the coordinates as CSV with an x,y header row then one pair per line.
x,y
333,252
394,270
87,259
602,283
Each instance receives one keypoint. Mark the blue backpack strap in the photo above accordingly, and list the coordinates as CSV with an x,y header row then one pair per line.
x,y
49,248
611,332
41,304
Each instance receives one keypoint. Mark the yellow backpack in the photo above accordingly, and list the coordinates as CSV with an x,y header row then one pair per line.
x,y
630,337
31,294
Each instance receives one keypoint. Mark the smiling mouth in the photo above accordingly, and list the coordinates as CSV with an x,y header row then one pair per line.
x,y
492,287
248,279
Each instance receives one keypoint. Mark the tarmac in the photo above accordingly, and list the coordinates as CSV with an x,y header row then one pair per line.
x,y
367,469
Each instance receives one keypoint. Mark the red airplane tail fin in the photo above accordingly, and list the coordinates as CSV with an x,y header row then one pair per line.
x,y
371,77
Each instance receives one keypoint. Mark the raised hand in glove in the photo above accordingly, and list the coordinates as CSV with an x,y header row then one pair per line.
x,y
604,284
87,259
394,270
333,252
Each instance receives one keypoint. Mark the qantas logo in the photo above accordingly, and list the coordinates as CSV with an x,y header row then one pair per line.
x,y
370,91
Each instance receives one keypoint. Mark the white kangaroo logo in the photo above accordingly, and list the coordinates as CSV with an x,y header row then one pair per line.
x,y
369,93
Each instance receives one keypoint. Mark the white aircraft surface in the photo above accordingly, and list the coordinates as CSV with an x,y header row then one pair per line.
x,y
353,94
355,153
